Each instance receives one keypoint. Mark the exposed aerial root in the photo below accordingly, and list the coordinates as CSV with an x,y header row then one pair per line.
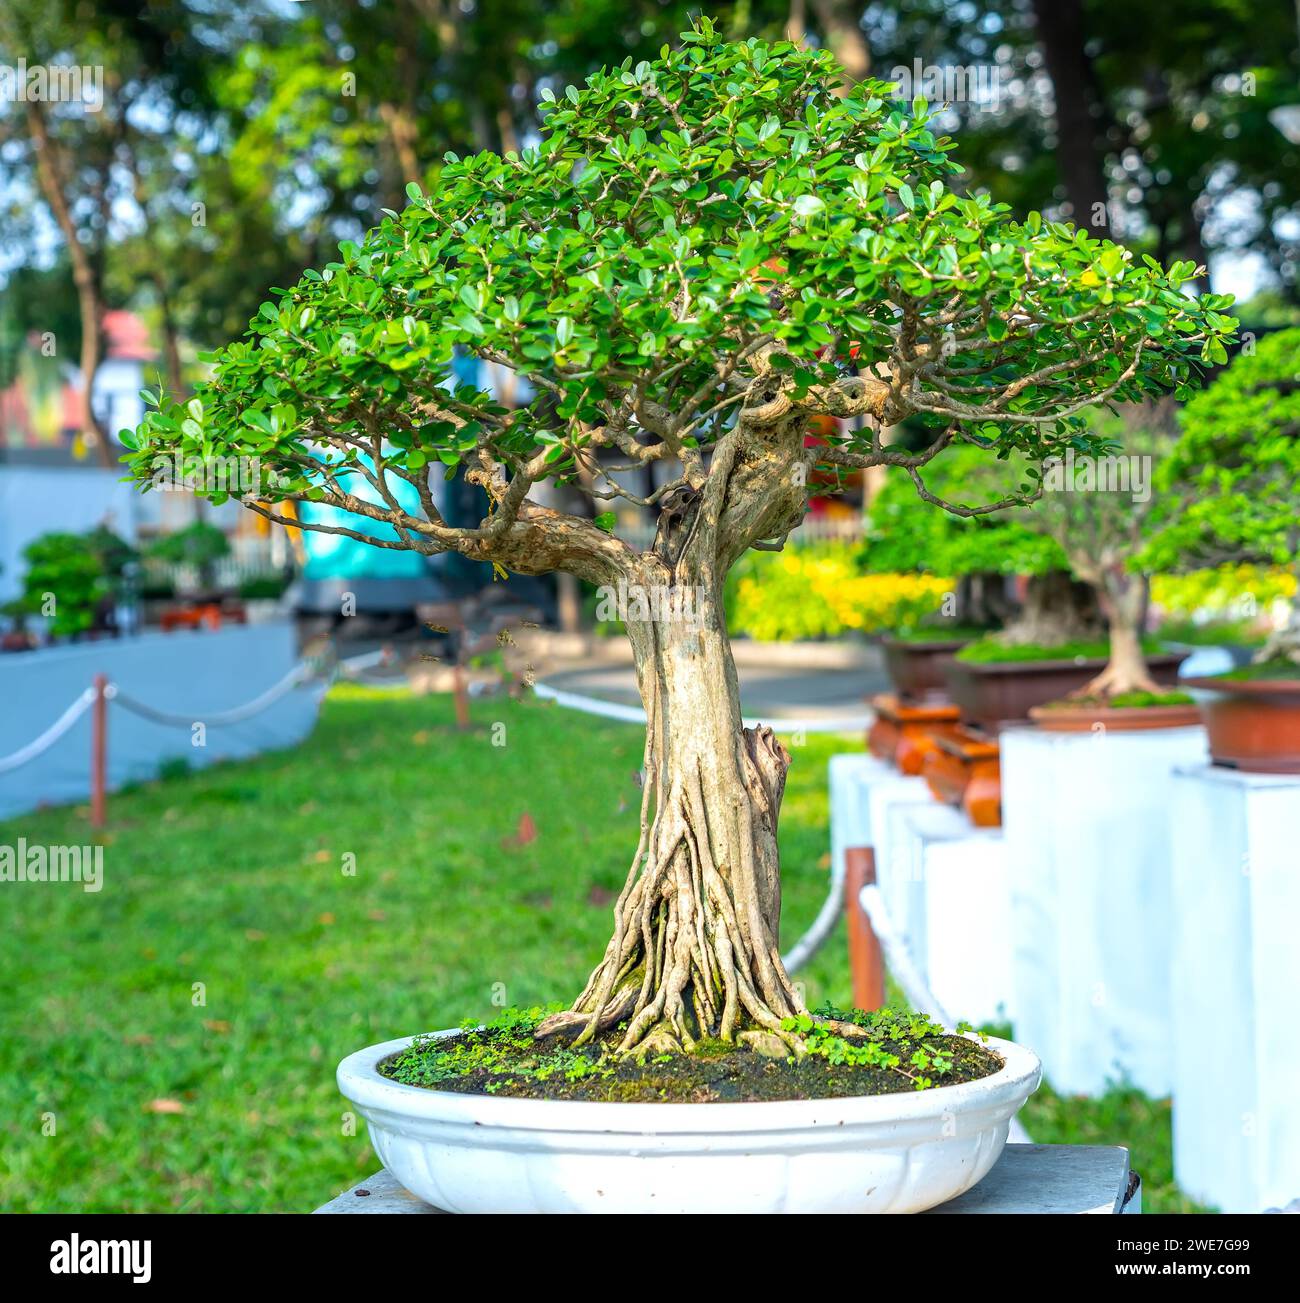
x,y
694,952
1117,679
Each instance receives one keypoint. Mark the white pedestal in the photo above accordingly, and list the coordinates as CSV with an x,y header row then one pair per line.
x,y
1088,854
863,792
1078,1179
1236,977
849,778
959,921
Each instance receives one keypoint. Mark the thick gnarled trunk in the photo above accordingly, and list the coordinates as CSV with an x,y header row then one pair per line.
x,y
694,951
1284,643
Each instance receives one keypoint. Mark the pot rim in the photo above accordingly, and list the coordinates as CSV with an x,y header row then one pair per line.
x,y
1246,687
360,1081
1118,719
1163,659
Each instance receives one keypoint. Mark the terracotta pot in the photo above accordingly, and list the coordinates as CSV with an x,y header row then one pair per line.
x,y
1123,719
917,669
1253,724
997,694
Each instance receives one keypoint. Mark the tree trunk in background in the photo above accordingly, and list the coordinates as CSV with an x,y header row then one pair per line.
x,y
1285,643
1078,156
1123,597
695,946
841,30
83,275
568,603
1058,609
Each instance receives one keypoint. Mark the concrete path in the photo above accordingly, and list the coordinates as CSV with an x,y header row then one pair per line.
x,y
772,686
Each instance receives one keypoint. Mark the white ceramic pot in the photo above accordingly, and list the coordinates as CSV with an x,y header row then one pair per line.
x,y
871,1154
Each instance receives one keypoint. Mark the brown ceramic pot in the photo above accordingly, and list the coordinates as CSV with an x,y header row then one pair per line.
x,y
1253,724
997,694
917,669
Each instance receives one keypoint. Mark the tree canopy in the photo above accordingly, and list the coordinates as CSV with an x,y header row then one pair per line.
x,y
1227,492
702,251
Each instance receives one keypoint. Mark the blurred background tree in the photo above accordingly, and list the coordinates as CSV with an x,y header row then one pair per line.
x,y
239,142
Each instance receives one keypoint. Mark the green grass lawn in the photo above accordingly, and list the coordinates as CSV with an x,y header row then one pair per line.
x,y
164,1094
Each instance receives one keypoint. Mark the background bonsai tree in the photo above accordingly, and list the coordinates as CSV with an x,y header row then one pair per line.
x,y
199,545
1229,491
979,552
1098,513
703,253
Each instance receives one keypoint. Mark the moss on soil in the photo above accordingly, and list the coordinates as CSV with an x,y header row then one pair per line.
x,y
1124,701
503,1058
988,651
1284,670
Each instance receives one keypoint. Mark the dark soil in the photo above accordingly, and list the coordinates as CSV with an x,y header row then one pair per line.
x,y
507,1061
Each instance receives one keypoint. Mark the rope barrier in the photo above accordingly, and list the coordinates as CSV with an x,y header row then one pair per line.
x,y
51,735
235,715
823,925
301,673
908,976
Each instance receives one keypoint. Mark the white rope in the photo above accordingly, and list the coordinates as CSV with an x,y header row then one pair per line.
x,y
51,735
355,664
905,972
235,715
823,925
636,715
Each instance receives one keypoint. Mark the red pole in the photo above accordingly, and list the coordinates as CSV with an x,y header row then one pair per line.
x,y
98,751
460,695
866,960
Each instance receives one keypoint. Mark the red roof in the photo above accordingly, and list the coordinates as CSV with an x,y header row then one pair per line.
x,y
126,337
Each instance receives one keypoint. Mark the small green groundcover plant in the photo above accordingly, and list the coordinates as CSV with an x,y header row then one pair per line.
x,y
1279,670
1127,701
842,1052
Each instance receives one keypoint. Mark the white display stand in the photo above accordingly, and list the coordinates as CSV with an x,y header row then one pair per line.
x,y
960,931
1077,1179
863,790
1236,978
1089,861
944,882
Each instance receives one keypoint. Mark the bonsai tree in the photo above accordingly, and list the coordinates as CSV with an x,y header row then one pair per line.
x,y
1101,530
702,254
1229,489
199,545
979,551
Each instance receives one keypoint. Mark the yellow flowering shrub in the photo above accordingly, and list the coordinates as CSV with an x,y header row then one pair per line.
x,y
1230,592
820,592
